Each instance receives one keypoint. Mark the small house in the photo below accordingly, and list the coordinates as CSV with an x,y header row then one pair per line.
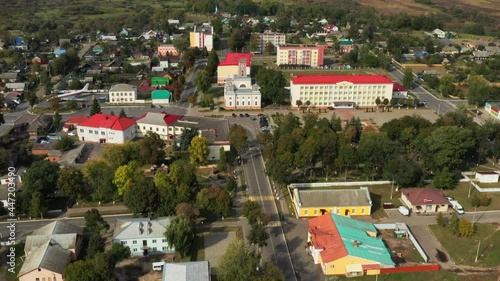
x,y
54,156
487,177
161,97
424,200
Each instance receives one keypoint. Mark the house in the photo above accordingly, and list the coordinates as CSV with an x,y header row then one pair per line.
x,y
202,37
399,91
274,38
122,93
173,22
160,81
12,99
97,49
450,50
424,200
345,246
49,250
344,202
186,271
312,56
239,93
112,66
143,235
10,77
41,148
16,87
160,123
234,64
54,156
104,128
487,177
73,121
39,125
59,52
167,50
149,35
346,46
323,21
340,90
493,108
481,55
329,28
161,97
125,32
106,37
438,33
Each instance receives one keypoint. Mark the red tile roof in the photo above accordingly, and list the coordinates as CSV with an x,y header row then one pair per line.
x,y
108,121
398,88
419,196
334,79
233,59
75,120
326,236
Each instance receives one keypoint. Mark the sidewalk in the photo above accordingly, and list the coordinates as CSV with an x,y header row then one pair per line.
x,y
79,211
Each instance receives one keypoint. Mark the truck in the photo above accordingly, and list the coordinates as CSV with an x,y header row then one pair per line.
x,y
457,207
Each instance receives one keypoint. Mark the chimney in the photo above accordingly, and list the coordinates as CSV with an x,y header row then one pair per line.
x,y
356,243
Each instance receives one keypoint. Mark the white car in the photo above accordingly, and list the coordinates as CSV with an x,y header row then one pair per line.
x,y
71,134
404,211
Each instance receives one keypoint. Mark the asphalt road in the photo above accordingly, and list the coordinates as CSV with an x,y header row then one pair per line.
x,y
190,87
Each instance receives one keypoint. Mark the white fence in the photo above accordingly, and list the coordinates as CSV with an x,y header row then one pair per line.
x,y
402,226
326,184
478,188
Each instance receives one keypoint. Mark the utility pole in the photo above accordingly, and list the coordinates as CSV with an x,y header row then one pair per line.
x,y
392,187
470,187
478,247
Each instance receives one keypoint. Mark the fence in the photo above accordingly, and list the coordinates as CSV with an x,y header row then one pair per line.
x,y
326,184
402,226
476,186
414,268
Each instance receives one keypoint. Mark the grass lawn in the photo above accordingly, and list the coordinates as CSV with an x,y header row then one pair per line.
x,y
289,72
441,275
461,192
463,250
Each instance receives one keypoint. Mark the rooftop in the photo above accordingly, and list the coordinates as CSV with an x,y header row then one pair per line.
x,y
49,256
66,241
418,196
122,88
334,197
300,47
58,227
398,88
75,120
160,94
186,271
213,129
234,58
334,79
108,121
134,228
159,119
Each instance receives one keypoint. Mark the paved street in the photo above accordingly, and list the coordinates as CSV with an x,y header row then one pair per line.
x,y
190,87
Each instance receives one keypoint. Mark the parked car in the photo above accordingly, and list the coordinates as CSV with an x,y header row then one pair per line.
x,y
247,115
241,115
260,114
253,118
457,207
404,211
234,115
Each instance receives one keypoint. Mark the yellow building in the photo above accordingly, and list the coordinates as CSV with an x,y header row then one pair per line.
x,y
345,246
202,37
344,202
235,64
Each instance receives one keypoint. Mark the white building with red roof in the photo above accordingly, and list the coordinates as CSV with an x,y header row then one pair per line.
x,y
235,64
73,121
399,91
104,128
160,123
339,90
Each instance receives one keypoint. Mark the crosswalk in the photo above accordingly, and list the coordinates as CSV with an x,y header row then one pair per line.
x,y
261,198
274,224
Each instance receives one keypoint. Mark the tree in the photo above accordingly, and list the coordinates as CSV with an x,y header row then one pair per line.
x,y
237,39
152,148
444,179
258,236
238,137
214,201
94,222
182,172
181,44
142,198
466,228
203,81
269,48
127,176
429,45
298,103
272,85
440,220
177,89
186,138
477,89
180,235
122,113
72,183
187,211
41,177
212,63
377,101
454,220
38,205
54,103
447,86
192,99
189,58
112,113
72,105
198,150
238,263
408,78
121,154
96,245
252,211
65,63
99,178
32,98
66,143
56,120
403,171
96,108
75,84
217,25
117,253
97,268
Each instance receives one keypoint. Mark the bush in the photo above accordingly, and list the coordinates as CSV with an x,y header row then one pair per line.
x,y
478,202
440,220
231,186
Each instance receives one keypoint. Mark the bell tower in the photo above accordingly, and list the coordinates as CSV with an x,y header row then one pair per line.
x,y
242,67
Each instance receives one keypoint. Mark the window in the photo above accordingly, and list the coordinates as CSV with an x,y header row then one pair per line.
x,y
353,211
43,278
90,131
163,130
315,212
256,103
134,242
157,129
154,249
338,211
37,279
164,248
305,212
164,240
96,132
144,127
81,130
103,133
428,207
154,240
124,242
150,128
363,211
135,249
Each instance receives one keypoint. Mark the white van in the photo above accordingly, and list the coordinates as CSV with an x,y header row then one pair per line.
x,y
404,211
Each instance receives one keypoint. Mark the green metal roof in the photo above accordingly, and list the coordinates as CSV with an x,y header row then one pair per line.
x,y
159,81
370,248
345,42
160,94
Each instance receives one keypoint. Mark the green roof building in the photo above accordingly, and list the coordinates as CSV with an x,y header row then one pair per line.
x,y
161,97
159,81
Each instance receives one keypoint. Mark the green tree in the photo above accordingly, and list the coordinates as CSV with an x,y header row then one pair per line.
x,y
198,150
212,63
66,143
477,89
142,198
378,101
117,253
238,137
203,81
187,211
181,44
98,176
96,245
466,228
121,154
447,86
376,149
122,113
440,220
72,105
454,223
56,120
403,171
41,177
238,263
189,58
238,39
94,222
75,84
272,85
38,206
54,103
65,63
179,235
217,25
72,183
96,108
444,179
252,211
127,176
97,268
429,45
269,48
408,78
152,148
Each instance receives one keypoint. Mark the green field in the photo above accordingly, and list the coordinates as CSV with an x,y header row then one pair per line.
x,y
461,194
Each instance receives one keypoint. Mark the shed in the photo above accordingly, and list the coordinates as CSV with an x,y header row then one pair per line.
x,y
160,97
487,177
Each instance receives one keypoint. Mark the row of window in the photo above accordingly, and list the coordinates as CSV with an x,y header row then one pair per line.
x,y
94,132
134,242
170,129
121,94
336,211
243,103
121,100
243,98
154,249
46,279
366,87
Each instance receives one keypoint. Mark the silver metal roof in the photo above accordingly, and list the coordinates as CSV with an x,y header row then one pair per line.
x,y
58,227
138,228
50,256
186,271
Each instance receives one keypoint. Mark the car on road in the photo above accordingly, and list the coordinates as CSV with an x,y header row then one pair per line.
x,y
234,115
241,115
404,211
71,134
247,115
253,118
260,114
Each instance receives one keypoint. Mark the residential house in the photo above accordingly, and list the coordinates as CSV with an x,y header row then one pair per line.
x,y
73,121
475,44
399,91
481,55
161,97
329,28
493,108
125,32
160,123
187,271
114,65
54,155
49,250
345,246
122,93
235,64
174,22
438,33
10,77
309,55
41,148
263,39
492,50
450,50
17,87
40,125
239,93
143,235
487,177
91,56
346,46
424,200
149,35
340,90
202,37
12,99
104,128
107,37
167,50
343,202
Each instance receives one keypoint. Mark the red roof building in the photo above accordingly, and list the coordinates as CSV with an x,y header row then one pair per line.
x,y
106,128
157,122
339,90
424,200
71,123
235,64
399,91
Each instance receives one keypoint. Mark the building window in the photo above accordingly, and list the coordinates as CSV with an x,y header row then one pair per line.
x,y
135,249
150,128
163,248
96,132
134,242
124,242
81,130
157,129
353,211
154,249
363,211
103,133
305,212
316,212
154,240
428,207
90,131
164,240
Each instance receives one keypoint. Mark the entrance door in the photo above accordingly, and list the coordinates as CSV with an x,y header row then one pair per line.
x,y
346,212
